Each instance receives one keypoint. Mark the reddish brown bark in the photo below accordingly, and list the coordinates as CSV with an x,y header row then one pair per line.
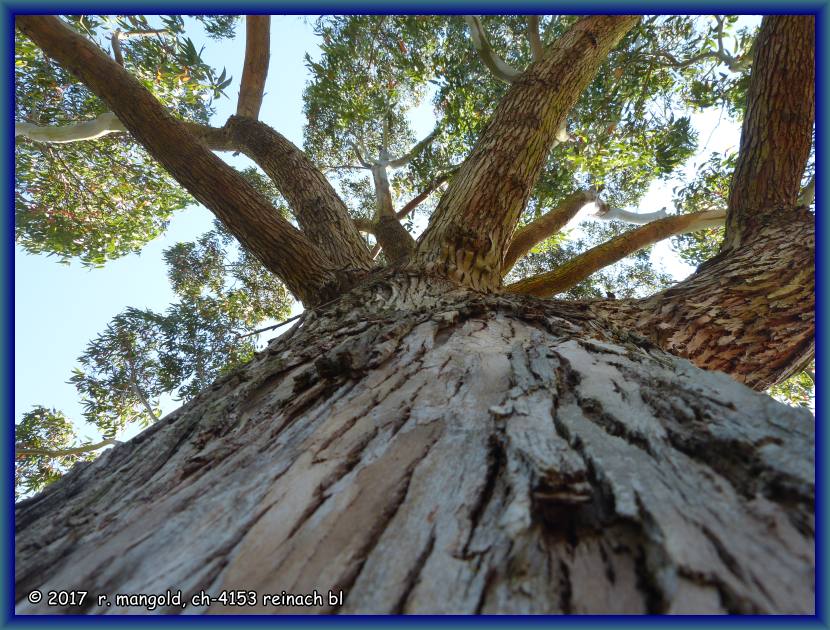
x,y
255,68
778,124
470,230
547,225
750,313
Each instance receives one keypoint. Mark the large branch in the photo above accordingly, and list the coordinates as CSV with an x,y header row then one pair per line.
x,y
580,267
470,229
777,128
750,313
547,225
245,212
321,213
255,69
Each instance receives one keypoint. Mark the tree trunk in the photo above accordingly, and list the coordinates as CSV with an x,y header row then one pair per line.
x,y
429,449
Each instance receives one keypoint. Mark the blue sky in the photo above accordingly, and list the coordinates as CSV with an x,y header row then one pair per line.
x,y
59,308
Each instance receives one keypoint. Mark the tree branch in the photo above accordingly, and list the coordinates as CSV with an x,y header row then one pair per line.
x,y
580,267
255,69
749,312
469,231
548,224
500,69
397,243
118,35
245,212
426,192
321,213
78,450
406,159
777,128
626,216
537,50
359,153
103,125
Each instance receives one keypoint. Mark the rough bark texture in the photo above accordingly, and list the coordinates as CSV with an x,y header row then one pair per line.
x,y
778,124
321,213
749,312
471,227
429,449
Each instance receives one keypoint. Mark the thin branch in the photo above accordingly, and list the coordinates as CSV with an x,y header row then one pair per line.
x,y
426,192
626,216
359,152
119,35
103,125
255,69
115,42
533,36
414,151
547,225
496,65
78,450
735,64
580,267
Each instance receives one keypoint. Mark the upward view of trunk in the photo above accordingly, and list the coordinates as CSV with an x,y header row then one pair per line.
x,y
422,442
425,449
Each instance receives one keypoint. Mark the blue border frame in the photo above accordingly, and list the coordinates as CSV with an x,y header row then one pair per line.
x,y
7,12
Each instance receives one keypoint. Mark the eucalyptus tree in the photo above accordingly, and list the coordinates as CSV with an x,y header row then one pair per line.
x,y
433,435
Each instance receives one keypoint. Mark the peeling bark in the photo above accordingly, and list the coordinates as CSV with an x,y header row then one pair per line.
x,y
749,312
429,449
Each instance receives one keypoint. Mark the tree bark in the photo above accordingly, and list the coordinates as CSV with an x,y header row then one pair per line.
x,y
255,68
322,215
473,223
777,128
580,267
246,213
547,225
748,312
429,449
